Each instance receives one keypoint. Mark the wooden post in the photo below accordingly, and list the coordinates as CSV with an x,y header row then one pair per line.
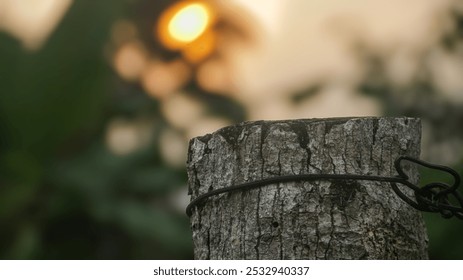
x,y
305,220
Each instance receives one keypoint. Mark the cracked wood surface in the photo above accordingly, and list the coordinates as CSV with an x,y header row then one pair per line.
x,y
305,220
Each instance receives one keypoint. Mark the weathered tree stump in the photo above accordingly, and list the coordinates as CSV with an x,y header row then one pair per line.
x,y
305,220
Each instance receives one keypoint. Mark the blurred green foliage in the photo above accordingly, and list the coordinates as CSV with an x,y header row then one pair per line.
x,y
63,195
444,235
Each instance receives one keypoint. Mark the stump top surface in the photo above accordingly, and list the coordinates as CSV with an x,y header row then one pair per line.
x,y
232,129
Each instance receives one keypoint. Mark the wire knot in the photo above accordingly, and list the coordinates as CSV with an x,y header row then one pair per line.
x,y
435,197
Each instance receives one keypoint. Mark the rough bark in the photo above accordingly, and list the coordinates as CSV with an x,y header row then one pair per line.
x,y
305,220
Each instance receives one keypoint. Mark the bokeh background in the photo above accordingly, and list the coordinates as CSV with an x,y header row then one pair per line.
x,y
96,107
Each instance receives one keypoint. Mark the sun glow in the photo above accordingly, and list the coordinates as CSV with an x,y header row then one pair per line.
x,y
184,23
189,23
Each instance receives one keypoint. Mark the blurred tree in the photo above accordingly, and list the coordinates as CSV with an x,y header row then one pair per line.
x,y
63,194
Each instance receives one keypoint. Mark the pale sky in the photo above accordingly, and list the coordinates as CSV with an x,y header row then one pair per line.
x,y
305,42
32,21
312,39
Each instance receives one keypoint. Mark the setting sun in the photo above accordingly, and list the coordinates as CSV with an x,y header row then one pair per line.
x,y
183,23
189,23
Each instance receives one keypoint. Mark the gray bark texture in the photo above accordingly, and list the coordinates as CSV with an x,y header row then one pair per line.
x,y
305,220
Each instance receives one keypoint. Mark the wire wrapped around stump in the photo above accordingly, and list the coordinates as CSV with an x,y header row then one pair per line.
x,y
433,197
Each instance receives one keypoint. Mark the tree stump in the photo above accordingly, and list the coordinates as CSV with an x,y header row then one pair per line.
x,y
306,220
